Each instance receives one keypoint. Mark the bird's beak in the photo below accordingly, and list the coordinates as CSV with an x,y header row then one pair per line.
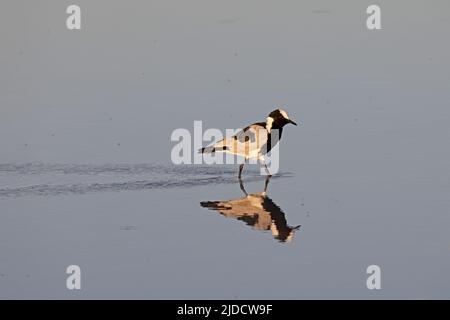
x,y
290,121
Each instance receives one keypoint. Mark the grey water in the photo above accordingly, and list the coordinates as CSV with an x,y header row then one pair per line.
x,y
86,178
82,179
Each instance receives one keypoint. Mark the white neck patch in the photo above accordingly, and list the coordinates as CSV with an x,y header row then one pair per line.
x,y
269,122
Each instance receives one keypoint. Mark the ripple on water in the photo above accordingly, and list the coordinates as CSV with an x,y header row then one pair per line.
x,y
115,177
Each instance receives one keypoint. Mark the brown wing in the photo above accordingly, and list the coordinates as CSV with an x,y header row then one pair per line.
x,y
247,142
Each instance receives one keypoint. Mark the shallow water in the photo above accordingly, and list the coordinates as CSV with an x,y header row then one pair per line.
x,y
82,179
86,175
166,235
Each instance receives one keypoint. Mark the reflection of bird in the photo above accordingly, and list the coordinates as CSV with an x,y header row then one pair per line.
x,y
256,210
254,141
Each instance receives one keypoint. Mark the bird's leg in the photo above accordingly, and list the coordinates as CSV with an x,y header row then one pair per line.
x,y
266,184
241,167
241,185
267,170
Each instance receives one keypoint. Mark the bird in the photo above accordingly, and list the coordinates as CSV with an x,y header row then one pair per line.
x,y
255,140
258,211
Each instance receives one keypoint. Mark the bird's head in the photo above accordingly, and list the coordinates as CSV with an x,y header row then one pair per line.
x,y
279,118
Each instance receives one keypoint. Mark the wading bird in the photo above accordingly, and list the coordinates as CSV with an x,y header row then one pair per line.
x,y
254,141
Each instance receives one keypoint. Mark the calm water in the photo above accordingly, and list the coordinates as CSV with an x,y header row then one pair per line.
x,y
152,231
85,170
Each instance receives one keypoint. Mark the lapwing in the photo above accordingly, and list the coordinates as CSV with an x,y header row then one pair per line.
x,y
255,140
258,211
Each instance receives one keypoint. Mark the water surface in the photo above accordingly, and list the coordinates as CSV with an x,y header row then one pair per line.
x,y
85,171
